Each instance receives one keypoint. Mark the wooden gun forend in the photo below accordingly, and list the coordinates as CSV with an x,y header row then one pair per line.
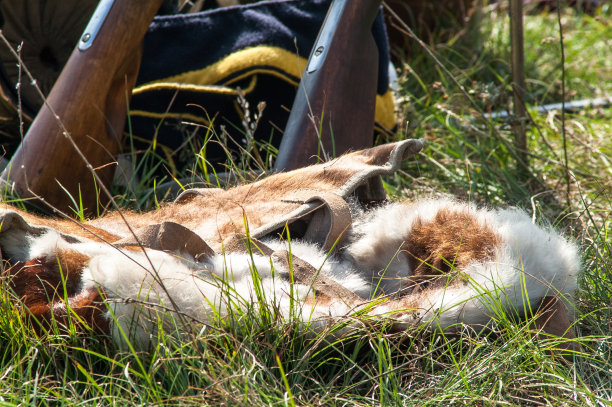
x,y
90,100
333,111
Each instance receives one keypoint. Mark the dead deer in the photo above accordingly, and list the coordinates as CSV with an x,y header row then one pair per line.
x,y
320,243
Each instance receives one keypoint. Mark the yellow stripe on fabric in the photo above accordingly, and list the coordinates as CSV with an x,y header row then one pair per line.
x,y
287,78
157,86
262,55
202,80
385,110
168,115
189,87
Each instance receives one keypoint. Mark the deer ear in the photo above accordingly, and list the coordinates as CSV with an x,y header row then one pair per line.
x,y
553,319
391,155
16,235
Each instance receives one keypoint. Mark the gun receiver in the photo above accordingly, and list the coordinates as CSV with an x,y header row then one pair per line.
x,y
88,105
334,107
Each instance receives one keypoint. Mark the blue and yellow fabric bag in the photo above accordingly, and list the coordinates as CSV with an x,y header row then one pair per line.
x,y
202,74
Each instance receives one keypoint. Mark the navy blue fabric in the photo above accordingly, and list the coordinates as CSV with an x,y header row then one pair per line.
x,y
180,43
176,44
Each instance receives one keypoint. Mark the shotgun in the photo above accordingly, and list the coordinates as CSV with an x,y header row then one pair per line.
x,y
334,107
77,132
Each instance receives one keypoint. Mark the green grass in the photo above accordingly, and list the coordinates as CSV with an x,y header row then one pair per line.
x,y
259,359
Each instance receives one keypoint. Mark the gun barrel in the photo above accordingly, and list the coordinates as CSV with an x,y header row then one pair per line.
x,y
85,111
334,107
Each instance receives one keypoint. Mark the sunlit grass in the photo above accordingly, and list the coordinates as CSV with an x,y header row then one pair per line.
x,y
259,358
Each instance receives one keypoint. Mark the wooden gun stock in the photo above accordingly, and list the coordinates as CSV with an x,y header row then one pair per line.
x,y
88,104
334,107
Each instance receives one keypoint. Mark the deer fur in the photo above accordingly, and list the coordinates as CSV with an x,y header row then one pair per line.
x,y
438,262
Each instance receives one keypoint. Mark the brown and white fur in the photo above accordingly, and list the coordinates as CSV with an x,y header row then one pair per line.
x,y
438,262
